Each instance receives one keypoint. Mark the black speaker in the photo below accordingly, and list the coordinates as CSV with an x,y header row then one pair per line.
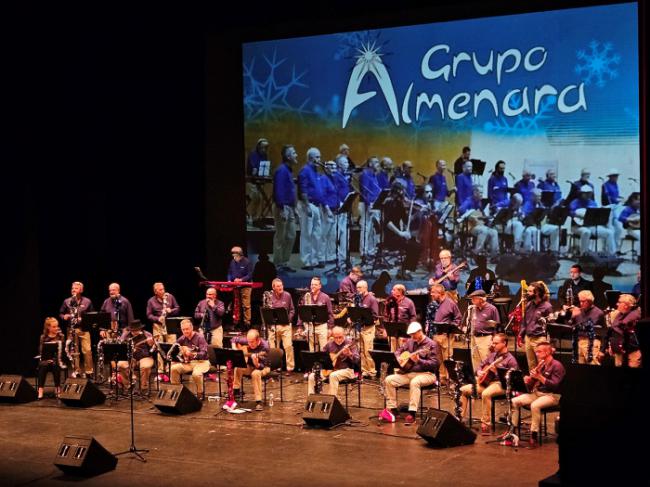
x,y
14,388
442,429
176,399
81,393
324,410
83,456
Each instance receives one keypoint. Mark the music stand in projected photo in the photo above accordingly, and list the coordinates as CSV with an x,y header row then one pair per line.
x,y
272,317
595,217
313,314
557,216
478,167
379,260
346,208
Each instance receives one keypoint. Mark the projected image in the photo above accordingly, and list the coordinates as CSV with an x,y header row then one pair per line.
x,y
510,143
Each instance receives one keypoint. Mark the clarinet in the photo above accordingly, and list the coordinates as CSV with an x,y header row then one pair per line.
x,y
510,433
357,299
318,380
591,336
458,409
163,315
430,318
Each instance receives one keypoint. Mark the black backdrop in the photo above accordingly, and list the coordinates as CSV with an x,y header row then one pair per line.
x,y
127,129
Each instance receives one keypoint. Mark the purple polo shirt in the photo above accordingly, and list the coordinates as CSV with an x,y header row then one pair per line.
x,y
451,282
620,323
594,314
489,312
283,301
428,360
345,362
323,300
262,347
554,373
123,310
197,342
141,350
214,313
508,362
242,270
369,301
155,307
348,286
406,310
448,312
531,323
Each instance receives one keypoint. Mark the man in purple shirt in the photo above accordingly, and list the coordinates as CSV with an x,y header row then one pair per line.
x,y
142,342
256,353
418,358
193,355
621,340
483,317
159,307
282,331
399,309
346,361
209,312
488,384
443,269
533,328
447,312
309,209
284,209
119,307
241,270
367,333
317,332
581,318
544,383
71,312
349,283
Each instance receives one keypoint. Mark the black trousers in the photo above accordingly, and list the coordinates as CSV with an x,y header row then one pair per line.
x,y
49,366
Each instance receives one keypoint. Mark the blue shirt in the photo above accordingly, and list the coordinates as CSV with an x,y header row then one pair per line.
x,y
383,180
470,204
369,186
609,193
284,191
342,185
309,184
549,185
528,207
330,197
439,184
627,212
254,160
242,269
579,203
497,189
525,189
463,187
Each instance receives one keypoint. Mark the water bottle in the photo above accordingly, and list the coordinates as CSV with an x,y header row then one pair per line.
x,y
478,283
271,400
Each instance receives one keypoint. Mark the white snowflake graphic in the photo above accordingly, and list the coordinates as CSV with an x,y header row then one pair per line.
x,y
271,98
522,124
597,64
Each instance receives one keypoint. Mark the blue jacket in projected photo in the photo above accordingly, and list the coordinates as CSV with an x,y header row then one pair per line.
x,y
309,184
284,191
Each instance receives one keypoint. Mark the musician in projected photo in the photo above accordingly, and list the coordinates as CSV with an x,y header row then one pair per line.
x,y
583,317
447,274
577,210
525,186
240,269
533,327
577,186
142,359
446,311
119,307
514,225
621,341
160,306
630,216
345,358
211,309
404,176
349,283
572,286
51,334
483,318
386,173
369,188
498,186
282,331
397,236
310,193
488,384
550,185
543,382
71,313
418,359
464,183
438,183
531,230
472,211
256,353
284,209
192,357
254,196
317,332
464,158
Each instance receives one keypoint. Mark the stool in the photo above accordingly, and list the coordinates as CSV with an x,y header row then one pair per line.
x,y
499,397
352,382
544,426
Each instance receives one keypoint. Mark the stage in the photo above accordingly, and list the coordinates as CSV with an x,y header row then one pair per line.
x,y
261,448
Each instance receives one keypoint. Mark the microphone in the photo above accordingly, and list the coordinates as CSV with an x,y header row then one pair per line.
x,y
601,178
421,175
635,180
200,273
512,176
570,182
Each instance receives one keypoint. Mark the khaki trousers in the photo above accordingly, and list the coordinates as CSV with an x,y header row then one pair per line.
x,y
159,337
416,381
529,346
537,401
216,336
486,393
196,367
334,378
368,341
283,333
446,348
145,364
85,349
480,350
583,351
318,334
256,378
633,359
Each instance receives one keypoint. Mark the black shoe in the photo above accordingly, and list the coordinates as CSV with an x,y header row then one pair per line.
x,y
320,265
307,268
259,406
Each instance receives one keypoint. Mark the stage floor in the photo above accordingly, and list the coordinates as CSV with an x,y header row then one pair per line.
x,y
260,448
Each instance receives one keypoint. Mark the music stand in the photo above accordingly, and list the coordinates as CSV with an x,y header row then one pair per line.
x,y
360,316
173,324
444,328
381,356
95,319
611,296
115,352
478,167
503,216
313,314
595,217
236,357
163,348
517,383
273,317
346,207
379,260
558,332
309,359
548,198
50,351
558,216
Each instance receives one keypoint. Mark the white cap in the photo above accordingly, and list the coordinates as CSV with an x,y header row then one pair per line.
x,y
414,327
612,172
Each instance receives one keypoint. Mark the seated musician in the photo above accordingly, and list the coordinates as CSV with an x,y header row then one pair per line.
x,y
257,360
488,384
567,295
533,327
630,216
472,210
51,334
514,226
317,332
282,299
446,311
447,274
550,185
581,317
531,231
525,186
399,309
397,236
367,333
418,358
577,210
194,355
210,311
349,283
483,317
142,342
544,385
345,358
621,338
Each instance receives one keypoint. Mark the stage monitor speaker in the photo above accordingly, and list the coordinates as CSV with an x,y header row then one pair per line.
x,y
324,410
442,429
176,399
14,388
81,393
83,456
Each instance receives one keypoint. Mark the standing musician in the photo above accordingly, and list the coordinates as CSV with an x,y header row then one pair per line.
x,y
71,312
483,317
533,329
284,209
399,308
193,355
403,174
550,185
347,359
317,331
575,283
498,186
142,342
349,283
438,183
488,384
119,307
159,307
257,361
472,210
621,338
580,316
418,358
282,299
367,300
310,192
397,219
447,312
241,270
51,334
464,183
386,172
211,309
443,269
464,157
544,386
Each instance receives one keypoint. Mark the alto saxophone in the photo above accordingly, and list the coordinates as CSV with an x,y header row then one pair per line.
x,y
100,361
163,315
59,350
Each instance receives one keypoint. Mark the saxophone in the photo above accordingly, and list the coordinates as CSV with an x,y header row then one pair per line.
x,y
163,315
267,302
509,437
458,408
100,362
71,340
59,357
